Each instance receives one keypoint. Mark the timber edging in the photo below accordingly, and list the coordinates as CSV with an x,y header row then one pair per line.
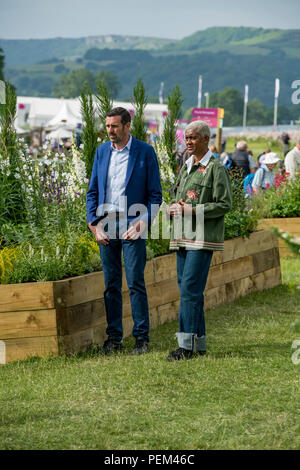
x,y
65,317
288,224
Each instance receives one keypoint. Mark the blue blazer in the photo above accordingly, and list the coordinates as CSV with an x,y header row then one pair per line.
x,y
142,184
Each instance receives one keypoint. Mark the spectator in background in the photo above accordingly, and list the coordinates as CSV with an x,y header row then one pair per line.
x,y
214,151
226,160
242,159
292,161
78,135
264,177
223,144
68,144
261,157
286,142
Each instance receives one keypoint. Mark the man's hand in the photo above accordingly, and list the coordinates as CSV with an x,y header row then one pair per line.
x,y
99,233
135,231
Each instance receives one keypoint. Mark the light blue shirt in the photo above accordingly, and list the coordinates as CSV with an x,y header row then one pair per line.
x,y
116,177
264,178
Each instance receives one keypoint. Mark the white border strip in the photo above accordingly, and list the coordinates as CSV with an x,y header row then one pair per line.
x,y
2,352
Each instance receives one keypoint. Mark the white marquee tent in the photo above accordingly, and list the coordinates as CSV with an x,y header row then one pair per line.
x,y
66,115
61,132
43,111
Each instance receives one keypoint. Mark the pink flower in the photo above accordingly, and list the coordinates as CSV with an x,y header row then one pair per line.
x,y
191,195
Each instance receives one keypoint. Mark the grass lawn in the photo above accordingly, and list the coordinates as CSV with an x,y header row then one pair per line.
x,y
243,395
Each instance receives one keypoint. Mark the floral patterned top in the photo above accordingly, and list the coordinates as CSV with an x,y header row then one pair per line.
x,y
207,187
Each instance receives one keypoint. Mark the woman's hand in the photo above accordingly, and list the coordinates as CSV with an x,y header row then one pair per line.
x,y
174,210
186,208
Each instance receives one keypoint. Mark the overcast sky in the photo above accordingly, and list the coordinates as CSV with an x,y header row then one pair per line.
x,y
24,19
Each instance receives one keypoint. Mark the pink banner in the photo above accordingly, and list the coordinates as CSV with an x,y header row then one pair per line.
x,y
208,115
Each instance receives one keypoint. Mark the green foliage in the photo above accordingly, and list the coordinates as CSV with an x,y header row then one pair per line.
x,y
52,243
279,202
292,242
100,55
157,247
61,68
232,101
227,36
168,138
11,201
109,80
53,256
138,126
105,104
241,220
89,128
71,85
257,113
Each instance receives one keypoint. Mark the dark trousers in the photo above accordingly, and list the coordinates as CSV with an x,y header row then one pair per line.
x,y
134,255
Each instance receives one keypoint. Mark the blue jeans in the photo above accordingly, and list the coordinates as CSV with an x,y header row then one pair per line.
x,y
192,272
134,255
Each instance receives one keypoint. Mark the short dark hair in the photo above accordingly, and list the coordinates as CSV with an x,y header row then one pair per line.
x,y
125,115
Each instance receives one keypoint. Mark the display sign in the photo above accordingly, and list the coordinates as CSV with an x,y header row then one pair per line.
x,y
208,115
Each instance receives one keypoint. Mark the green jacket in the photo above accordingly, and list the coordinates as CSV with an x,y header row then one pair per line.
x,y
208,190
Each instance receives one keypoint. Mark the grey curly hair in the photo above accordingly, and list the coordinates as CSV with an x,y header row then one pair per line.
x,y
200,127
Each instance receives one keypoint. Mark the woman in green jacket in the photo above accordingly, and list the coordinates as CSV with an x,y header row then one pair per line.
x,y
202,196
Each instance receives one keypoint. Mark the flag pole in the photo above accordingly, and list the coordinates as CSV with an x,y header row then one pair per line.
x,y
277,90
206,99
161,91
200,91
245,106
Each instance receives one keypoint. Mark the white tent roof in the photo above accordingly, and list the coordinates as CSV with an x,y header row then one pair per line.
x,y
153,111
65,115
20,131
44,110
62,132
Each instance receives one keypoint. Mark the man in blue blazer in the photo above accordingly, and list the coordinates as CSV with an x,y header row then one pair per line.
x,y
123,198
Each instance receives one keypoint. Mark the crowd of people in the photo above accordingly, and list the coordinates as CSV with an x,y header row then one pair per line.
x,y
258,175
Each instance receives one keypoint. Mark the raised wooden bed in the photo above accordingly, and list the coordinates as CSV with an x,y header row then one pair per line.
x,y
290,225
63,317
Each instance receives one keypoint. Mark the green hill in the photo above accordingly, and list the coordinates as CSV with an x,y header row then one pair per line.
x,y
225,57
33,51
239,41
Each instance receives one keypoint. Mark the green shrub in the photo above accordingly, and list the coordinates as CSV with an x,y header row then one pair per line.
x,y
50,257
241,220
279,202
